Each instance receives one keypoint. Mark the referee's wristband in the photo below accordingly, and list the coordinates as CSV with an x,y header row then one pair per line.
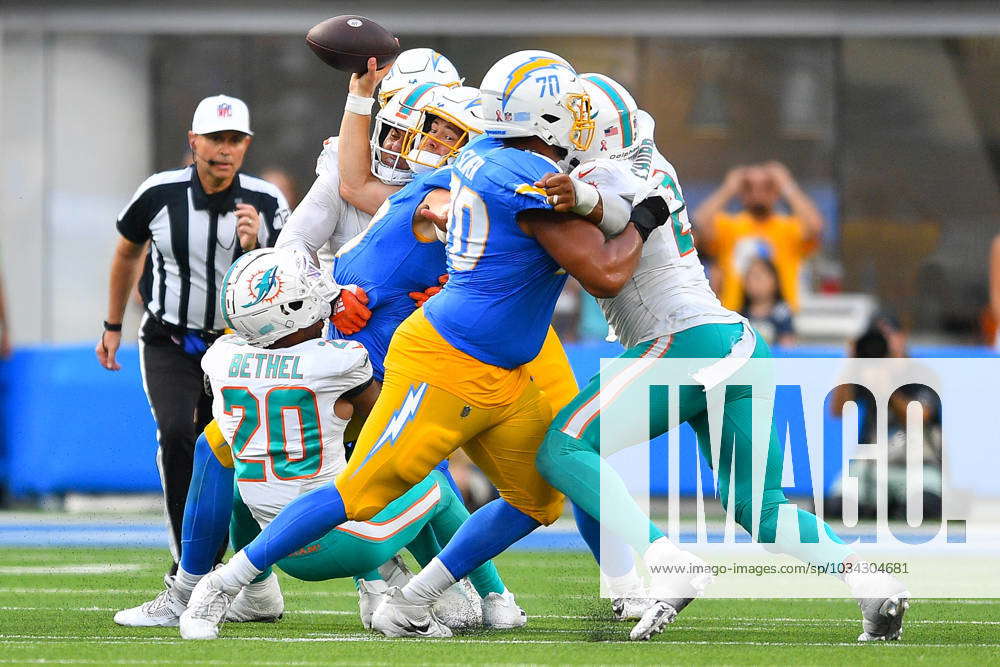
x,y
108,326
359,105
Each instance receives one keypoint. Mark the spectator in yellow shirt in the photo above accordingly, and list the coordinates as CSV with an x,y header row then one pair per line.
x,y
758,230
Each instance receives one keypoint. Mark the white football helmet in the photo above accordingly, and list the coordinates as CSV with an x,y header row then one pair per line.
x,y
417,66
269,293
537,93
615,114
399,118
430,147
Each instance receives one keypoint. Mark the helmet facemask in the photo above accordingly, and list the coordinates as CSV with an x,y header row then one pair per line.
x,y
389,166
581,132
419,141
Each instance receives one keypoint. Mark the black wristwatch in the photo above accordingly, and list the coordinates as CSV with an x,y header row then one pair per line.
x,y
108,326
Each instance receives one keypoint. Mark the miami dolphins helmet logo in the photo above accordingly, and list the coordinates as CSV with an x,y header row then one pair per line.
x,y
264,286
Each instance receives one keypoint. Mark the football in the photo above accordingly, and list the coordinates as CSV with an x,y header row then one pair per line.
x,y
347,42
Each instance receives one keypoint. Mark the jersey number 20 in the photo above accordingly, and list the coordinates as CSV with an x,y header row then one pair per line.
x,y
278,403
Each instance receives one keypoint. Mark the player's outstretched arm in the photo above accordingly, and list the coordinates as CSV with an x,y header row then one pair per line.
x,y
568,194
602,266
357,184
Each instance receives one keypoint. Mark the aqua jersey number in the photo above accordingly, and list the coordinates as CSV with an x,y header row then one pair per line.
x,y
281,404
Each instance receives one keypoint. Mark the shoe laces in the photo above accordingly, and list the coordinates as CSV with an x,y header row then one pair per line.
x,y
159,603
213,606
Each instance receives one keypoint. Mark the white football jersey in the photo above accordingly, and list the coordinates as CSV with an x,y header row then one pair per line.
x,y
323,221
668,292
275,408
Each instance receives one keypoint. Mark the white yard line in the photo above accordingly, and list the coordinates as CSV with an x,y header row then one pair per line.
x,y
751,622
50,639
96,568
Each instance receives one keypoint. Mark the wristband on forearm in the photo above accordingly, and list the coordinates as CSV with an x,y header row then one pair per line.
x,y
359,105
108,326
587,198
616,215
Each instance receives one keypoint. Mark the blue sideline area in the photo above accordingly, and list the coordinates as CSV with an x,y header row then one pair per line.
x,y
68,425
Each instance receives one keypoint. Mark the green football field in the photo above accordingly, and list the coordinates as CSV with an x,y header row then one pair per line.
x,y
56,607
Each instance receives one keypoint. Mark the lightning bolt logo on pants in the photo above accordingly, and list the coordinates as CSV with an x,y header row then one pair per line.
x,y
400,418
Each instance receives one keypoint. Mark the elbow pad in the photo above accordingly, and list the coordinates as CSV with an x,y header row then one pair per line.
x,y
651,213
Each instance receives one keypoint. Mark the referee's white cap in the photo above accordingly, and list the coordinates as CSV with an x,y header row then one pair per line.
x,y
221,112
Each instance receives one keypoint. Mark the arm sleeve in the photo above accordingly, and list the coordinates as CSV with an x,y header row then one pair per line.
x,y
315,219
133,221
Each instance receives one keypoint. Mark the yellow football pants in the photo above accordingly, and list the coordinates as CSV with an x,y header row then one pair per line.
x,y
436,399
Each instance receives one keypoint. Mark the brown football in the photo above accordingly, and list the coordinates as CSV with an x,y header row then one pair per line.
x,y
347,42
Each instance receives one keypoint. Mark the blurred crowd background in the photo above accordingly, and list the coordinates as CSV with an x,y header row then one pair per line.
x,y
841,160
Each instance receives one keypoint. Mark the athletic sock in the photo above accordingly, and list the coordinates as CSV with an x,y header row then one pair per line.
x,y
628,585
184,583
374,585
485,579
237,573
206,510
660,551
429,584
306,519
617,558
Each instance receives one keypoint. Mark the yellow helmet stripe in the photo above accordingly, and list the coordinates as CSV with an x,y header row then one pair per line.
x,y
520,75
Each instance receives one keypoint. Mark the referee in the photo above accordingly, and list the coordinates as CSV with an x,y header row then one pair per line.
x,y
195,221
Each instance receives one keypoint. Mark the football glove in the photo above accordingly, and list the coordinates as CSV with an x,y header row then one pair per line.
x,y
652,212
349,312
420,298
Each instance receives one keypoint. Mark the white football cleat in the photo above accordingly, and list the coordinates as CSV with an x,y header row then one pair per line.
x,y
163,611
630,609
677,577
658,616
206,609
883,600
460,607
370,596
398,617
501,611
394,572
260,603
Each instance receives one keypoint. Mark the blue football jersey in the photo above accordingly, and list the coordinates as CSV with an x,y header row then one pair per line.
x,y
502,286
389,262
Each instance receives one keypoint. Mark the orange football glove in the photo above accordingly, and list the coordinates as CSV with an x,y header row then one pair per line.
x,y
420,298
349,313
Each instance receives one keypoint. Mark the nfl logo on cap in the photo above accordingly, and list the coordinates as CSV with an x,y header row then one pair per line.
x,y
221,112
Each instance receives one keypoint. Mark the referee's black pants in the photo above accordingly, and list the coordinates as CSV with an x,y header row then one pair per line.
x,y
174,385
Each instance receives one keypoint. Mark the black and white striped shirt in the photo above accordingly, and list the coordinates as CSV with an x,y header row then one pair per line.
x,y
194,241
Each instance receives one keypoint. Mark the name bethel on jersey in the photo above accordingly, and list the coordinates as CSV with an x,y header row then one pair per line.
x,y
275,407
